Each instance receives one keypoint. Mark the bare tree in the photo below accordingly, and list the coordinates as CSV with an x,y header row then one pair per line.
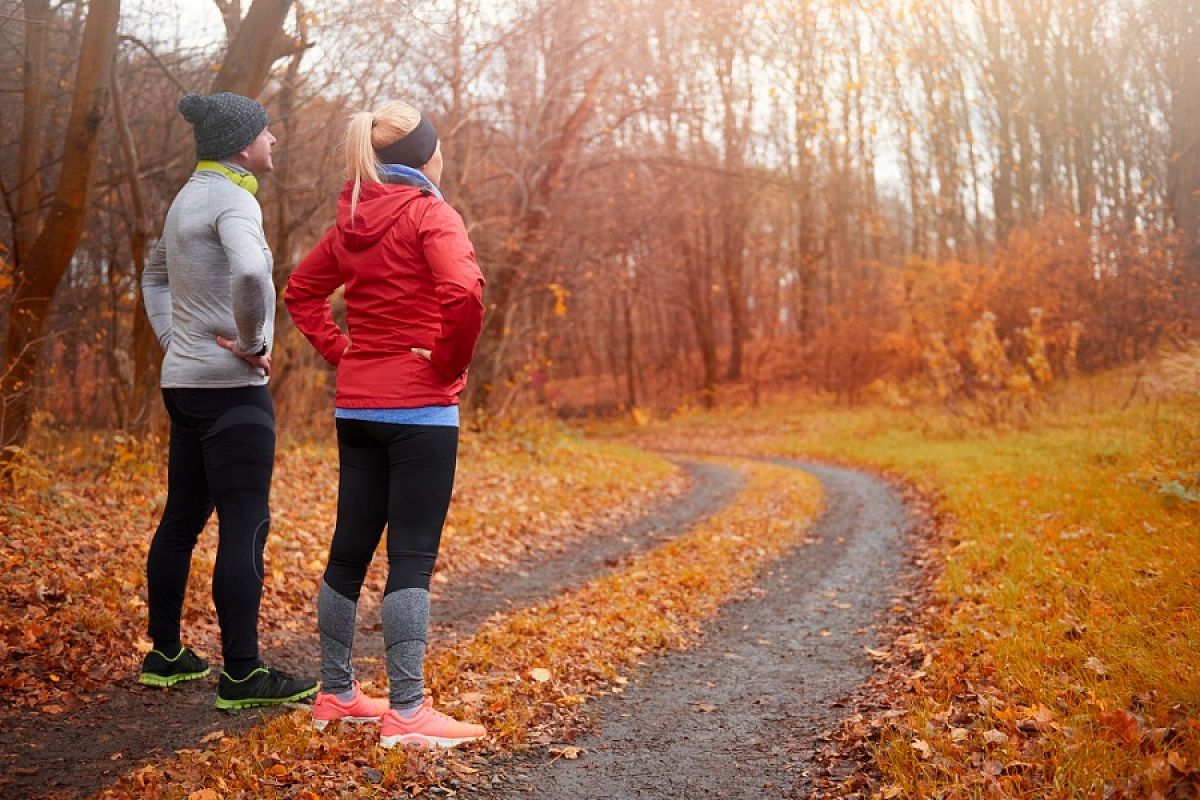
x,y
37,270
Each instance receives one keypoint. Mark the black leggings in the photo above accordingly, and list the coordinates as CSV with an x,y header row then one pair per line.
x,y
398,475
221,455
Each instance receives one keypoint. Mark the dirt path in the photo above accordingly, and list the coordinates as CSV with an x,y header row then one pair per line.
x,y
459,609
713,487
77,754
739,715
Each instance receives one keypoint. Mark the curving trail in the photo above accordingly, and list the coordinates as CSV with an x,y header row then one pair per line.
x,y
78,754
739,715
463,610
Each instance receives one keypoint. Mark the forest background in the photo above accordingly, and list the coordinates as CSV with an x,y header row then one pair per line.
x,y
954,200
957,206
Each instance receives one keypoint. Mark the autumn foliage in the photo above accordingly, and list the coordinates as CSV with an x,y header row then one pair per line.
x,y
957,241
74,555
753,195
1042,311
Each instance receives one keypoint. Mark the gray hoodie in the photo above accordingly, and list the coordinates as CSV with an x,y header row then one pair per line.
x,y
209,276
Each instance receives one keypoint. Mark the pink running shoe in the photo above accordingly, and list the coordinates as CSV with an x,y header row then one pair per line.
x,y
327,708
426,728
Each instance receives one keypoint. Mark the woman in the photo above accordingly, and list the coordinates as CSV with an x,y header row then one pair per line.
x,y
414,310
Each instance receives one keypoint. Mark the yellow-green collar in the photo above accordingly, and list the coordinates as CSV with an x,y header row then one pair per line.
x,y
243,179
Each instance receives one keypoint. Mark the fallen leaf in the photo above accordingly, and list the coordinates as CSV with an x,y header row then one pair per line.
x,y
540,674
1040,719
203,794
995,737
1096,666
1122,726
922,748
1158,738
212,737
569,752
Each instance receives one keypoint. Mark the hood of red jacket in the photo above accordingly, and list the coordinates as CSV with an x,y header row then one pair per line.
x,y
379,206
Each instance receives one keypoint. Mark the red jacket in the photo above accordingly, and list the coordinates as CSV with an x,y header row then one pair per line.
x,y
411,281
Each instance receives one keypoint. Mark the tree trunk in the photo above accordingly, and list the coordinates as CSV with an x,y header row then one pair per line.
x,y
254,48
29,187
37,277
491,356
1002,181
732,209
143,346
490,367
706,340
285,217
700,308
1184,161
231,16
631,399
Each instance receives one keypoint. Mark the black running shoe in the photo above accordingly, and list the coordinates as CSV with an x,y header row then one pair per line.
x,y
159,670
262,687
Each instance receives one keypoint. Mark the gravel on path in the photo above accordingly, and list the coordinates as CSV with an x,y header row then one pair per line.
x,y
739,715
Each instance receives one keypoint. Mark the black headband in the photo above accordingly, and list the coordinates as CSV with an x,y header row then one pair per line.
x,y
414,149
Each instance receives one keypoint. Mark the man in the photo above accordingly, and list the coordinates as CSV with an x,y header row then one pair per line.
x,y
211,302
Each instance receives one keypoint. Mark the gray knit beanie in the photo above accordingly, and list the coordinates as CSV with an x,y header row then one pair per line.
x,y
224,123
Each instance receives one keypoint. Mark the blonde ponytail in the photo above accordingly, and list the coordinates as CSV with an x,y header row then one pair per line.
x,y
368,132
361,163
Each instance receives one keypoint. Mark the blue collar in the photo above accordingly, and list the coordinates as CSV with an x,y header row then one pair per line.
x,y
417,177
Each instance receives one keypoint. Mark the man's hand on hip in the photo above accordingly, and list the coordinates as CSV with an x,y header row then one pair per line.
x,y
263,362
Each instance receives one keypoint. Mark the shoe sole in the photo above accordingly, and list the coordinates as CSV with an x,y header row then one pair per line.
x,y
259,702
151,679
321,724
420,742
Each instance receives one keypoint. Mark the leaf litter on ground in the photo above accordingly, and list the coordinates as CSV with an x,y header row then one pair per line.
x,y
594,638
72,587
